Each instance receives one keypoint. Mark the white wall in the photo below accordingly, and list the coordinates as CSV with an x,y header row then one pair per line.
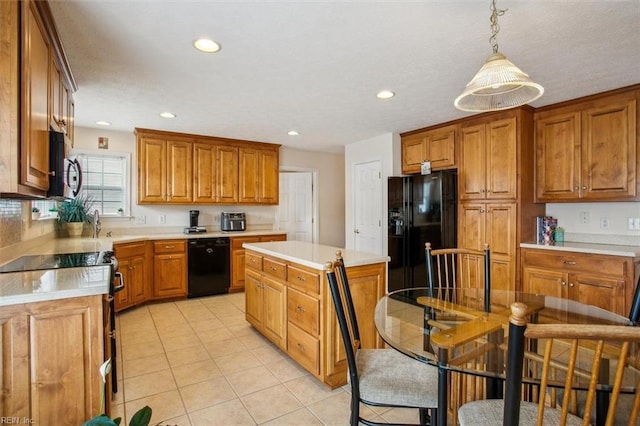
x,y
384,148
330,168
569,217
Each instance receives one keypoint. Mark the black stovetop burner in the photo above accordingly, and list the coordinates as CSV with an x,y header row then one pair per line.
x,y
53,261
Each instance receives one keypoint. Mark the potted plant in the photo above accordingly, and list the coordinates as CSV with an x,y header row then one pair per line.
x,y
35,213
53,212
74,213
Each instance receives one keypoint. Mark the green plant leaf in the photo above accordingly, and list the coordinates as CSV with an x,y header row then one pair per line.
x,y
102,420
142,417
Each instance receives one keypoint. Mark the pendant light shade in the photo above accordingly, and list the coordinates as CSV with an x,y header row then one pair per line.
x,y
499,84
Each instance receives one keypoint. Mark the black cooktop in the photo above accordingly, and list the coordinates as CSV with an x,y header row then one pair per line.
x,y
52,261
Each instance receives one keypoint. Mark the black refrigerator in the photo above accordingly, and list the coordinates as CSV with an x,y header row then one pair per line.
x,y
421,208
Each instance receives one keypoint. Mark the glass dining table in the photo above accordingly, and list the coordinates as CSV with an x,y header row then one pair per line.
x,y
462,340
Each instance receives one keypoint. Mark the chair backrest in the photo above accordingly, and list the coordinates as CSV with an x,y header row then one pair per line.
x,y
451,269
568,353
634,314
345,312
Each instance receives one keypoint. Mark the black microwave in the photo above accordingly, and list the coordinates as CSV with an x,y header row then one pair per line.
x,y
65,178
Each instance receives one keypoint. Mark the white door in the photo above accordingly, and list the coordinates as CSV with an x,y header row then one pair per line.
x,y
367,209
295,211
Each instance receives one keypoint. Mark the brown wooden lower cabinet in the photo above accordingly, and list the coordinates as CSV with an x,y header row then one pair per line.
x,y
169,268
605,281
51,356
290,304
238,257
133,263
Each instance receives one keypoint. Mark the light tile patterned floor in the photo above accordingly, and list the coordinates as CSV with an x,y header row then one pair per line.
x,y
198,362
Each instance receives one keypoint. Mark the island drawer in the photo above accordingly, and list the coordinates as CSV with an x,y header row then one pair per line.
x,y
305,280
304,311
303,348
576,262
254,261
274,268
169,246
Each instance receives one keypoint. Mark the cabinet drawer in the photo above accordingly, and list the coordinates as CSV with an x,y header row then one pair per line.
x,y
577,262
304,349
253,261
274,268
276,237
303,279
169,246
236,242
129,249
304,311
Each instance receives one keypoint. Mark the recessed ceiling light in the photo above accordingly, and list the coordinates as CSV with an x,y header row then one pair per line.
x,y
103,123
167,115
293,133
385,94
206,45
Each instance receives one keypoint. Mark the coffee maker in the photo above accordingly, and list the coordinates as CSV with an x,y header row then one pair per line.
x,y
193,223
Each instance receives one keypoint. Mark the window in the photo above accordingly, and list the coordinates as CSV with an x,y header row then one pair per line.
x,y
105,178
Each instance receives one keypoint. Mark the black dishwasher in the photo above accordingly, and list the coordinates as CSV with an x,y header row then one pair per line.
x,y
208,260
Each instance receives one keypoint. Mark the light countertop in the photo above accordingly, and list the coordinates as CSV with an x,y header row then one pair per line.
x,y
314,255
607,249
53,284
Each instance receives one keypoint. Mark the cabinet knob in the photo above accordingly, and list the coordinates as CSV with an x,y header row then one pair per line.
x,y
273,268
563,283
299,278
300,346
169,247
569,262
571,284
576,188
584,187
300,309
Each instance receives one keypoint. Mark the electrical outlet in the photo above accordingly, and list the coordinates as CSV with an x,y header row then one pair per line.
x,y
141,220
585,217
216,218
604,223
162,219
634,224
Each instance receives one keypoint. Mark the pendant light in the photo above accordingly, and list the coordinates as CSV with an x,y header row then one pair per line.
x,y
499,84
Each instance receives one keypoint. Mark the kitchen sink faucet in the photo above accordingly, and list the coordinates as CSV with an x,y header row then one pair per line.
x,y
96,224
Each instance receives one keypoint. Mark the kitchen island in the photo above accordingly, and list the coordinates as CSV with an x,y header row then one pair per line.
x,y
288,300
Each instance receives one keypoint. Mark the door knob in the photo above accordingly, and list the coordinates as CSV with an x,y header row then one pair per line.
x,y
356,231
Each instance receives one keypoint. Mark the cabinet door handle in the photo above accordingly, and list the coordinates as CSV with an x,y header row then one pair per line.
x,y
273,268
569,262
169,247
299,278
300,309
300,346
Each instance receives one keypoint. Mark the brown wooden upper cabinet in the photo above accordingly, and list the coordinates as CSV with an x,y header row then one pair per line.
x,y
258,175
176,168
437,145
37,90
488,160
588,151
164,171
215,173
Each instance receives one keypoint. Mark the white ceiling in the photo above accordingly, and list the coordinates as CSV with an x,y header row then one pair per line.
x,y
316,66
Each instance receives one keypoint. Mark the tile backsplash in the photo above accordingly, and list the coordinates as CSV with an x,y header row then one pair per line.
x,y
17,228
10,222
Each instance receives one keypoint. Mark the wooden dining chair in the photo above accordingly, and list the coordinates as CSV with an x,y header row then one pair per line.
x,y
564,349
379,377
463,277
459,275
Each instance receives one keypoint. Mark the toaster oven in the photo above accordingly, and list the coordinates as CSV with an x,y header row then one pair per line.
x,y
232,221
